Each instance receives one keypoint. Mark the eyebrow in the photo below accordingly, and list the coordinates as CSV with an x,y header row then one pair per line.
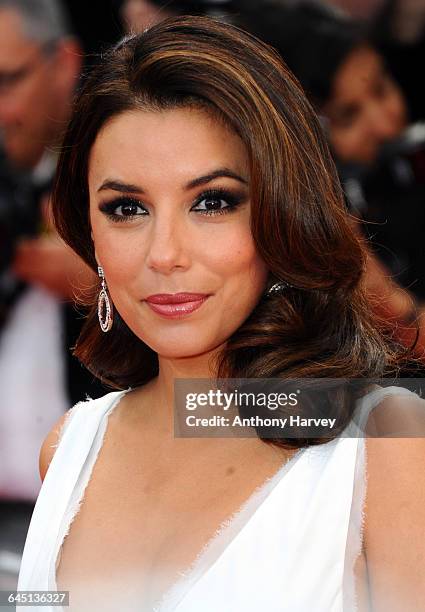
x,y
116,185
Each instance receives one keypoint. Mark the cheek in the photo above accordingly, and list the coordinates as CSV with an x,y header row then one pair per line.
x,y
236,260
19,109
38,89
120,257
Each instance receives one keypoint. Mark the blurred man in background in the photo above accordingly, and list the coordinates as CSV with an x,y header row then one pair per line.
x,y
39,69
40,63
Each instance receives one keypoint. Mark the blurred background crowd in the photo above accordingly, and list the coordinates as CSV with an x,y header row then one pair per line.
x,y
359,62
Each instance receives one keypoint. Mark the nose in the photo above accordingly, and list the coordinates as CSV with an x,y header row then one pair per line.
x,y
167,244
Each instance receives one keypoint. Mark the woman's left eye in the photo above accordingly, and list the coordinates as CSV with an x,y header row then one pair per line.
x,y
216,203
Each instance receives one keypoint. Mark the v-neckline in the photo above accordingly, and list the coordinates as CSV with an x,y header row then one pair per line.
x,y
211,551
227,532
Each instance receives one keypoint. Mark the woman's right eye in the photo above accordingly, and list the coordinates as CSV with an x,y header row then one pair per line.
x,y
123,209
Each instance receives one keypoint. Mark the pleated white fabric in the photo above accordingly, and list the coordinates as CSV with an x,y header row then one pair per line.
x,y
290,548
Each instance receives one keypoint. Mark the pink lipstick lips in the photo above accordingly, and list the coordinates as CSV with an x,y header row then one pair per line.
x,y
175,305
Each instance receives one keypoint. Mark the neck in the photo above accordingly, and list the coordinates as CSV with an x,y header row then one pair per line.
x,y
161,389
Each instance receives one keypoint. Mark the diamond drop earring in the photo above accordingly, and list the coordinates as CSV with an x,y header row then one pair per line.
x,y
104,305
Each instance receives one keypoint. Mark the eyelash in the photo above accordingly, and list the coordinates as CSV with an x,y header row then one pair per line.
x,y
231,199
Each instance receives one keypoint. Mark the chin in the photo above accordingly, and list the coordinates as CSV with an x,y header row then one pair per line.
x,y
183,348
183,351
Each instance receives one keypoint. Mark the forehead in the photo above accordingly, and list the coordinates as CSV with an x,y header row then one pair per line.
x,y
14,45
175,145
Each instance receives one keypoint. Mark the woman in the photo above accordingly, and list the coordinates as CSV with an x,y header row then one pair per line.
x,y
195,165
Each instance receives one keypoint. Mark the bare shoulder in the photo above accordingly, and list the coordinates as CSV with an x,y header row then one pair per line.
x,y
394,530
49,445
52,439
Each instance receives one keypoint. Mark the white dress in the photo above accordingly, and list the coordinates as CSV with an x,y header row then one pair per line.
x,y
290,548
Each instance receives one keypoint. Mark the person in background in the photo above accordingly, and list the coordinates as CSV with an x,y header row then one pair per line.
x,y
137,15
399,34
39,69
364,113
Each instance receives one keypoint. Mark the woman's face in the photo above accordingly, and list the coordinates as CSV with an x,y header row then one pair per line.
x,y
366,108
170,213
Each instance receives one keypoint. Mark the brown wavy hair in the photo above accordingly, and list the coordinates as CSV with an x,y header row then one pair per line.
x,y
323,325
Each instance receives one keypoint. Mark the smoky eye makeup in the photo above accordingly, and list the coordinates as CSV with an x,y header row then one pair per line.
x,y
210,203
219,201
122,208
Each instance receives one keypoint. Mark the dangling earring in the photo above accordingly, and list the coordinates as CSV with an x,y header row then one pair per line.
x,y
278,288
104,305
